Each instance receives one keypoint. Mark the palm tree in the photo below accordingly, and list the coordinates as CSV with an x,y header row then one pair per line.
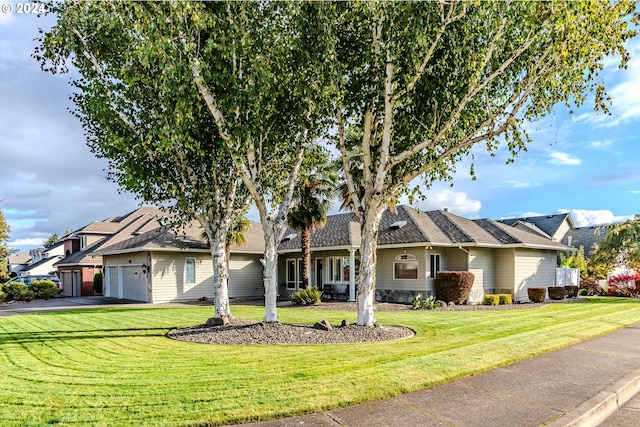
x,y
236,235
313,196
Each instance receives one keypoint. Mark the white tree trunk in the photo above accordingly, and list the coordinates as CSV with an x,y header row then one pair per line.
x,y
367,283
220,281
270,272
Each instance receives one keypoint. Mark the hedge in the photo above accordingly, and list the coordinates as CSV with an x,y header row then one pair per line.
x,y
571,291
497,299
556,292
537,294
453,286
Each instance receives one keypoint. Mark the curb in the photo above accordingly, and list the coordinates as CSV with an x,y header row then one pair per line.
x,y
600,407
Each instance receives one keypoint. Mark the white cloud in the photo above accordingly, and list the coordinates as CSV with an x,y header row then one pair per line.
x,y
512,183
560,158
457,202
27,242
603,144
586,217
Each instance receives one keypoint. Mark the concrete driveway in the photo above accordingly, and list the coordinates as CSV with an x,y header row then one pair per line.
x,y
64,303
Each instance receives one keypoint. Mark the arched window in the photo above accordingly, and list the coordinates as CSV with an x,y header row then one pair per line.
x,y
405,267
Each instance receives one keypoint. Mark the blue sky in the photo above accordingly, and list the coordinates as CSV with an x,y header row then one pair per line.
x,y
584,163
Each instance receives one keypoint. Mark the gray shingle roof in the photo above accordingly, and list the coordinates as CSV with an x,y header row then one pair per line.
x,y
547,223
586,237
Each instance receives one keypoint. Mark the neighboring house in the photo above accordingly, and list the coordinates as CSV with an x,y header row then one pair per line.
x,y
555,227
413,246
77,269
160,266
43,260
19,262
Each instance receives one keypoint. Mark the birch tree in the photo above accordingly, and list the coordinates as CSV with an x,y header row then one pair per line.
x,y
421,83
141,112
257,67
260,68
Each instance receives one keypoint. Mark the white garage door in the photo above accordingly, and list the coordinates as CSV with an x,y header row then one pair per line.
x,y
112,282
67,283
134,283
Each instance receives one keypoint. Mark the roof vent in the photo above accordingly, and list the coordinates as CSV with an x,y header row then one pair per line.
x,y
397,225
290,237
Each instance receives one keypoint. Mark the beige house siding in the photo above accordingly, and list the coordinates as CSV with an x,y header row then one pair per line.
x,y
454,259
245,276
385,268
562,231
167,280
504,271
536,268
481,264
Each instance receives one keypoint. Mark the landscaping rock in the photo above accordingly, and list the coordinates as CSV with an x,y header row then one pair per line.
x,y
344,323
323,326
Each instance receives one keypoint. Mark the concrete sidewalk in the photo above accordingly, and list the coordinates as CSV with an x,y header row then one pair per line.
x,y
580,385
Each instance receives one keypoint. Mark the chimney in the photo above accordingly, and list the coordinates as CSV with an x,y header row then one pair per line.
x,y
446,210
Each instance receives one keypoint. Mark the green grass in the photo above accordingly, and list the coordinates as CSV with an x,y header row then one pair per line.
x,y
114,367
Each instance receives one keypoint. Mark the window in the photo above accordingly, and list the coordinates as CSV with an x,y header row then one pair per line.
x,y
83,242
294,273
190,270
434,264
339,269
405,267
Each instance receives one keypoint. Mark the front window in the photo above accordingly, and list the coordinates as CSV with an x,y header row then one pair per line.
x,y
339,269
405,267
434,264
190,271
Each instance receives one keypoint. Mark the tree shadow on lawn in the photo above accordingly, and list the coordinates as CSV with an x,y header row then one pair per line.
x,y
44,336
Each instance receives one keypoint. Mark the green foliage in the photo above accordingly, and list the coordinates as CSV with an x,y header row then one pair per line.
x,y
491,299
453,286
312,200
306,296
620,246
583,292
97,283
591,286
17,291
497,299
52,240
575,259
537,294
44,289
5,252
556,292
430,303
2,296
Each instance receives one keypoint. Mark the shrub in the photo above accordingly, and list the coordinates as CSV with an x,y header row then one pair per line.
x,y
97,283
583,292
454,285
537,294
505,299
308,295
14,290
2,296
592,286
44,289
556,292
497,299
491,299
430,303
571,291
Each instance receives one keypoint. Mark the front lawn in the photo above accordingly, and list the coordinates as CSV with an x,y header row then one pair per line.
x,y
114,367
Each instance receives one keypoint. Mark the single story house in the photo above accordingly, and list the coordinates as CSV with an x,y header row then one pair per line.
x,y
413,246
162,266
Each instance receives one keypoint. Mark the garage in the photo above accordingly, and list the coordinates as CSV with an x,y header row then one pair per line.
x,y
112,282
134,283
67,283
